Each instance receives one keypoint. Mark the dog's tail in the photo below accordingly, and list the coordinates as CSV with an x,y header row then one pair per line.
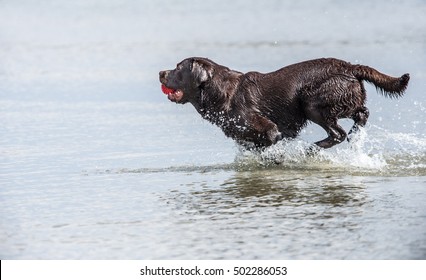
x,y
387,85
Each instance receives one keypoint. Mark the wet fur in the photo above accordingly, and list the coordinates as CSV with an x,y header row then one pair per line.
x,y
258,109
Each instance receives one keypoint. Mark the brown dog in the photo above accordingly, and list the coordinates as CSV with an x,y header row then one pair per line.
x,y
261,109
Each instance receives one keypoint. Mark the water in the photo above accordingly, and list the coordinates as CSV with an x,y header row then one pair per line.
x,y
95,163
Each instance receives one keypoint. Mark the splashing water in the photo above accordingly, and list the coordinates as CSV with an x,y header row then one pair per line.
x,y
372,150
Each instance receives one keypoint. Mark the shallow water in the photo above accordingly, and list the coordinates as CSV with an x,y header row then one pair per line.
x,y
95,163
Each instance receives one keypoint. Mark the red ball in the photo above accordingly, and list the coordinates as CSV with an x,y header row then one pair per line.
x,y
166,90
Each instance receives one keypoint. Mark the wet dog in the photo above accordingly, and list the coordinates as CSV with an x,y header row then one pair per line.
x,y
257,110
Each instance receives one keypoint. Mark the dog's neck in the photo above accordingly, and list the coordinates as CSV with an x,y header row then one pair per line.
x,y
218,94
220,105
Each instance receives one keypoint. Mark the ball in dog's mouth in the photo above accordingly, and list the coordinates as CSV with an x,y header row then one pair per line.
x,y
166,90
174,95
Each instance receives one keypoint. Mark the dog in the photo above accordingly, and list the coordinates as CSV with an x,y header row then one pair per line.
x,y
258,110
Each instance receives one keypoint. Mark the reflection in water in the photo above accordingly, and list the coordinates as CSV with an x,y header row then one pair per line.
x,y
248,190
288,213
280,187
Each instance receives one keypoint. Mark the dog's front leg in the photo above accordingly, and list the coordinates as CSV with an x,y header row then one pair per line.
x,y
265,131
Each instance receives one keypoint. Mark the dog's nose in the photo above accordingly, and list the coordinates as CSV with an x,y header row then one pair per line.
x,y
163,74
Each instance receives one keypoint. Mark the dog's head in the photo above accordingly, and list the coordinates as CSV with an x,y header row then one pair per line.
x,y
184,83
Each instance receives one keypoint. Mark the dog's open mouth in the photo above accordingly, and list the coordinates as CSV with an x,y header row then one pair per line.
x,y
174,95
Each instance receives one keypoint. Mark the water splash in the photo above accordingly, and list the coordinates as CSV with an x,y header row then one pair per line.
x,y
372,150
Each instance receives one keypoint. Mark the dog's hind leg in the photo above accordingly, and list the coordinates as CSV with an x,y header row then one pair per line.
x,y
336,134
360,118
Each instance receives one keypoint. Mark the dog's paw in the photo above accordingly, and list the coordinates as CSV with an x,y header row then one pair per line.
x,y
274,136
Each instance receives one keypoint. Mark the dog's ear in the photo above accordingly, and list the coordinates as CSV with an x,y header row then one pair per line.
x,y
201,70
